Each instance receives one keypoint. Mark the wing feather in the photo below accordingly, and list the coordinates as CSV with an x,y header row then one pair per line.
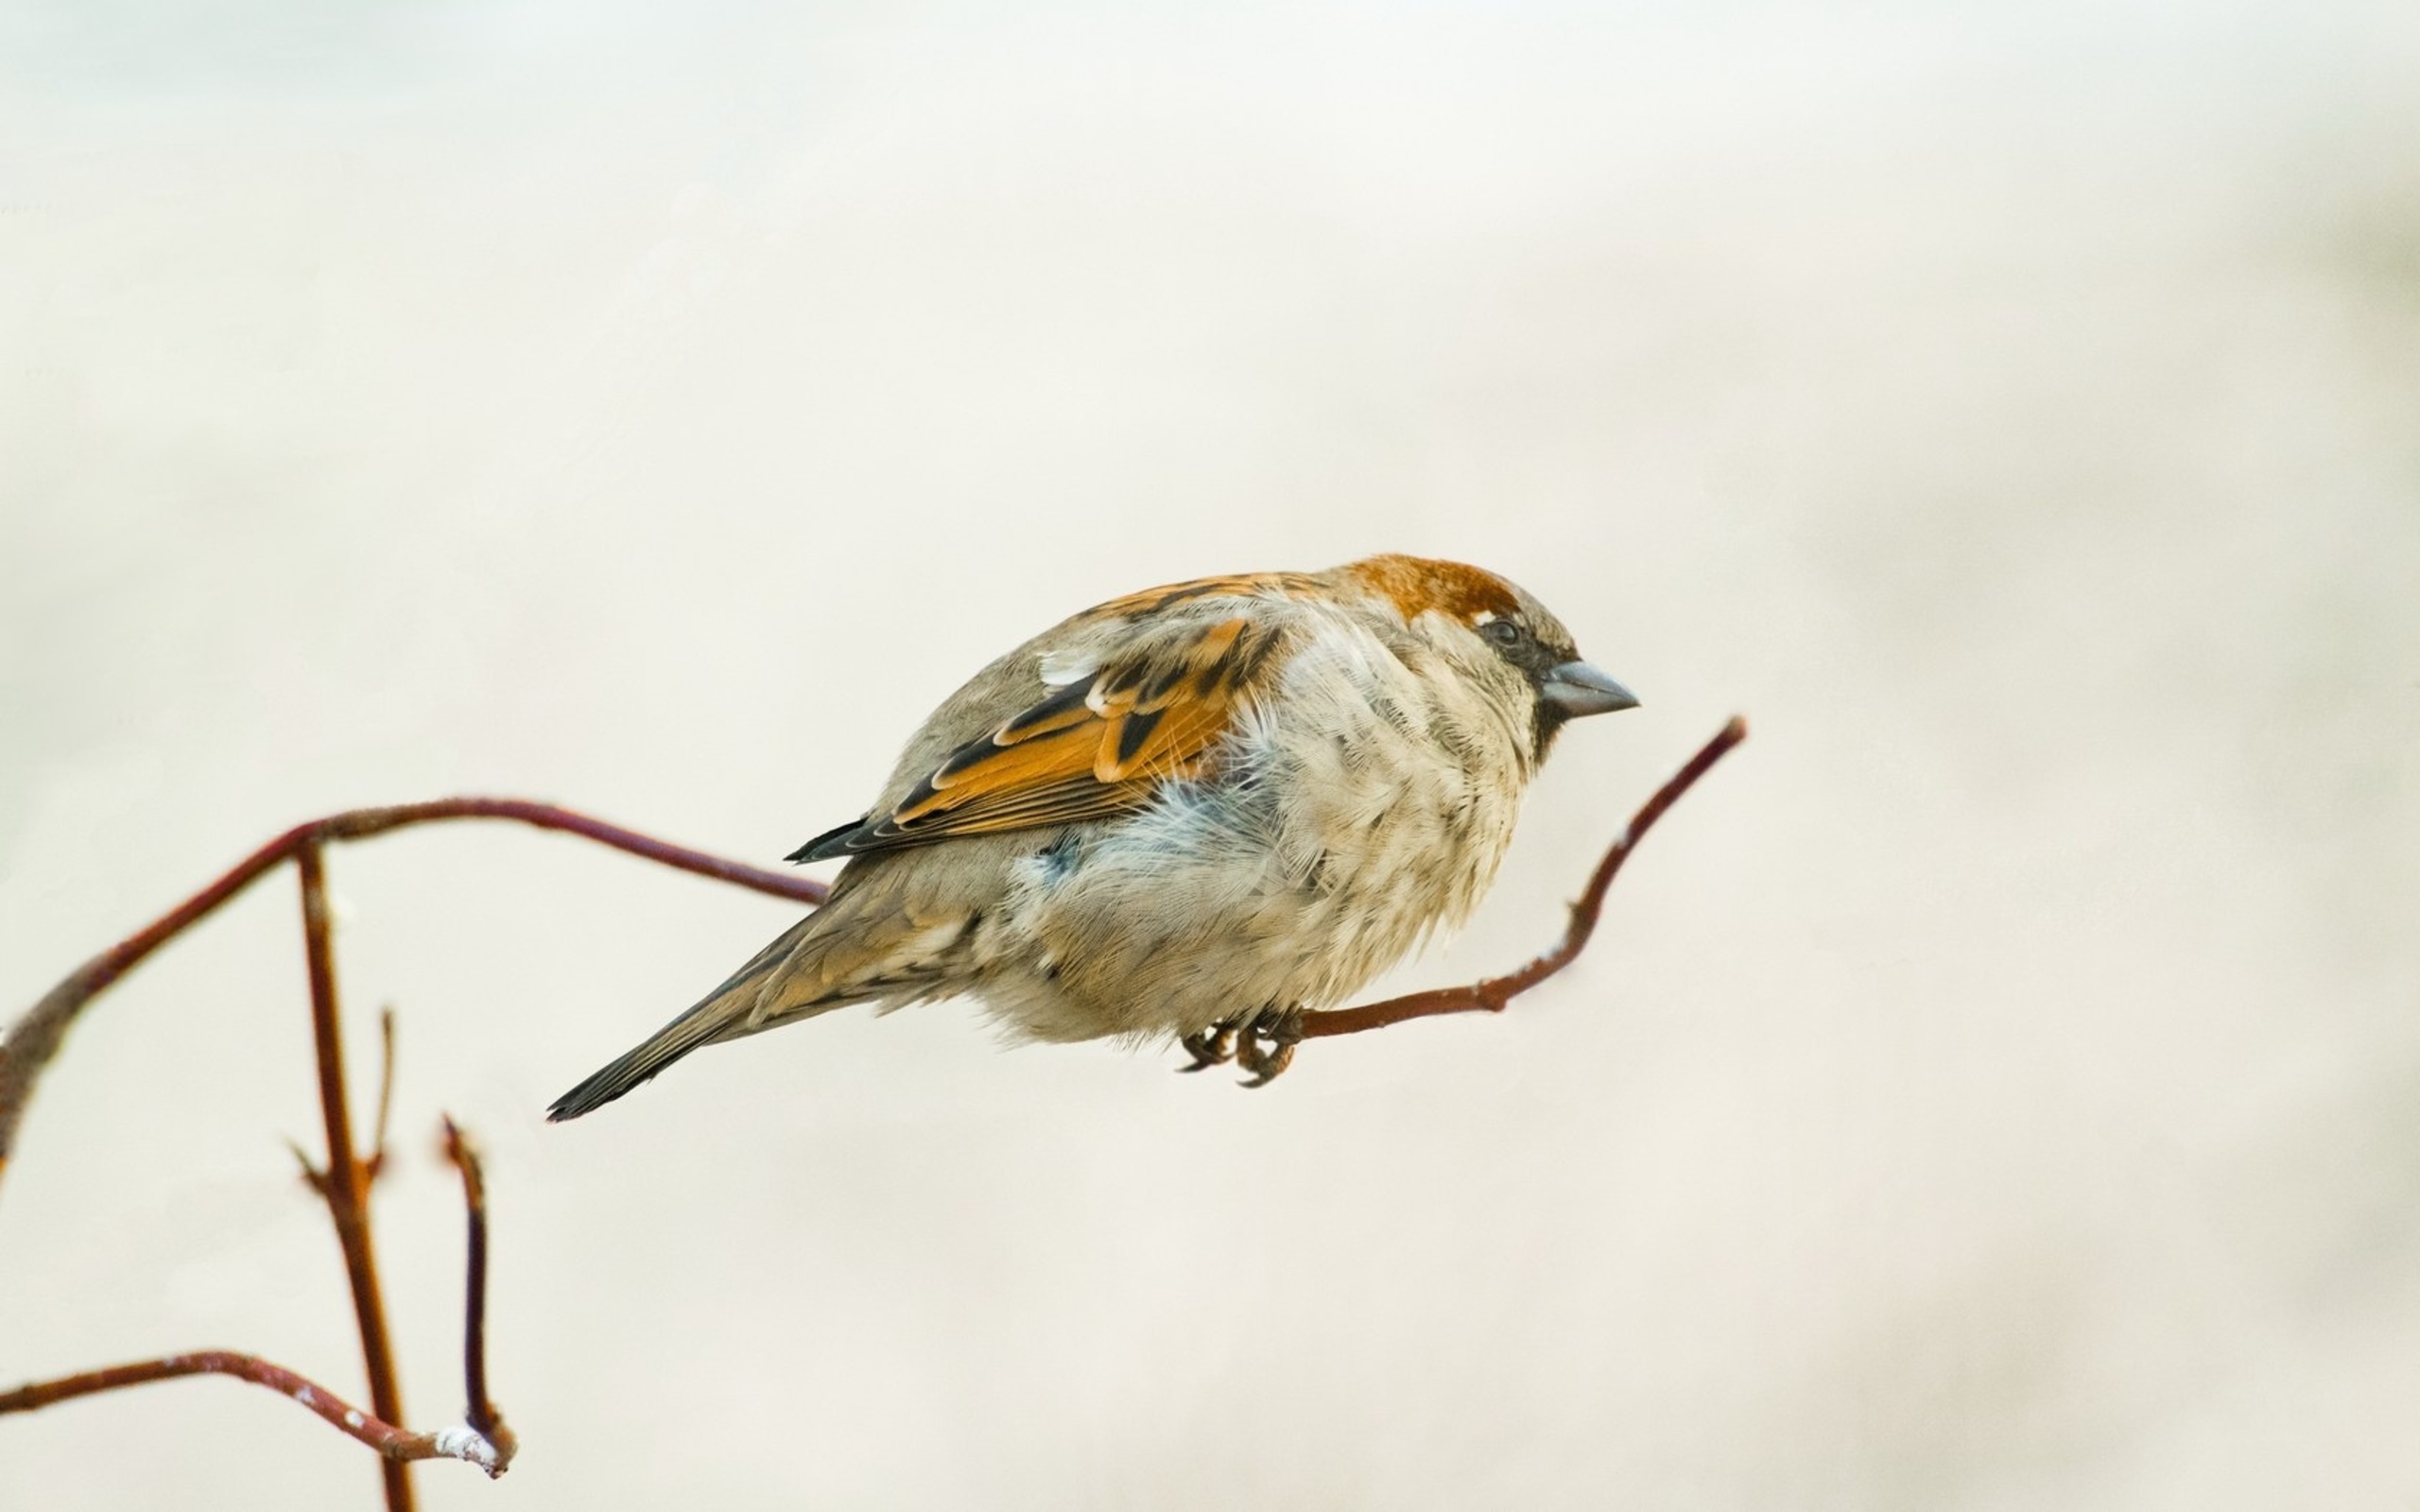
x,y
1099,746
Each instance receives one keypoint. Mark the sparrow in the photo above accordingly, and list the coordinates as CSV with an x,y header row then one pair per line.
x,y
1193,813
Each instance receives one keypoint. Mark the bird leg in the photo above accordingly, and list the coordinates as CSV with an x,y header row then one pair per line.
x,y
1266,1044
1213,1046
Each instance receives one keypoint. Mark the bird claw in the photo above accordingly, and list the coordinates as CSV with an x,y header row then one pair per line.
x,y
1265,1047
1213,1046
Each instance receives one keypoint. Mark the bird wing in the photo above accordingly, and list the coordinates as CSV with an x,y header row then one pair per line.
x,y
1101,743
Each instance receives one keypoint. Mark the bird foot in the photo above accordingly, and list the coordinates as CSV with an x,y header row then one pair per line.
x,y
1265,1047
1213,1046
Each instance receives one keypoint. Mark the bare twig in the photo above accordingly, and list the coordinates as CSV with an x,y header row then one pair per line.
x,y
375,1162
395,1445
29,1043
482,1413
482,1440
1491,994
346,1181
343,1182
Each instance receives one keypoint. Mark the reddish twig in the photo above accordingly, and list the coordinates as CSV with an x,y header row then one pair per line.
x,y
482,1413
1492,994
345,1179
394,1445
29,1043
483,1440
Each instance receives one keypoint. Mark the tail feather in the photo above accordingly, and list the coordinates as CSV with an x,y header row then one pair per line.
x,y
722,1014
865,944
666,1045
846,952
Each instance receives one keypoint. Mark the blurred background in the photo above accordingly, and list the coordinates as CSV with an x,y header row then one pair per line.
x,y
1997,1086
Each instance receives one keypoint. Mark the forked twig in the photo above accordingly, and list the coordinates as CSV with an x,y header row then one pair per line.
x,y
1491,994
345,1179
483,1439
29,1043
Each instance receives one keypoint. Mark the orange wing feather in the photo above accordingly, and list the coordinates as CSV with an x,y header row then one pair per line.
x,y
1093,748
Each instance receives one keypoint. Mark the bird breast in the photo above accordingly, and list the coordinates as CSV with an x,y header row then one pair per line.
x,y
1396,781
1364,799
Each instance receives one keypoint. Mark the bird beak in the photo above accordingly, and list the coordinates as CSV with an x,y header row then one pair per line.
x,y
1575,688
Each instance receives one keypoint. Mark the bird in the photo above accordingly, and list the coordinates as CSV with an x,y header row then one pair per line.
x,y
1193,814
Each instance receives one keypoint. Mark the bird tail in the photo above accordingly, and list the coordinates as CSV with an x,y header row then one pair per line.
x,y
726,1013
866,944
661,1049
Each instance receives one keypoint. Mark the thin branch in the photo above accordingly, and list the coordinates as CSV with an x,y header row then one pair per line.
x,y
345,1179
1492,994
484,1440
482,1413
29,1045
375,1162
394,1445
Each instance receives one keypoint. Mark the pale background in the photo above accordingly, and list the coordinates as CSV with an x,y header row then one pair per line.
x,y
1998,1087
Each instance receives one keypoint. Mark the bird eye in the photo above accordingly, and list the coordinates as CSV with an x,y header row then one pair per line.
x,y
1503,632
